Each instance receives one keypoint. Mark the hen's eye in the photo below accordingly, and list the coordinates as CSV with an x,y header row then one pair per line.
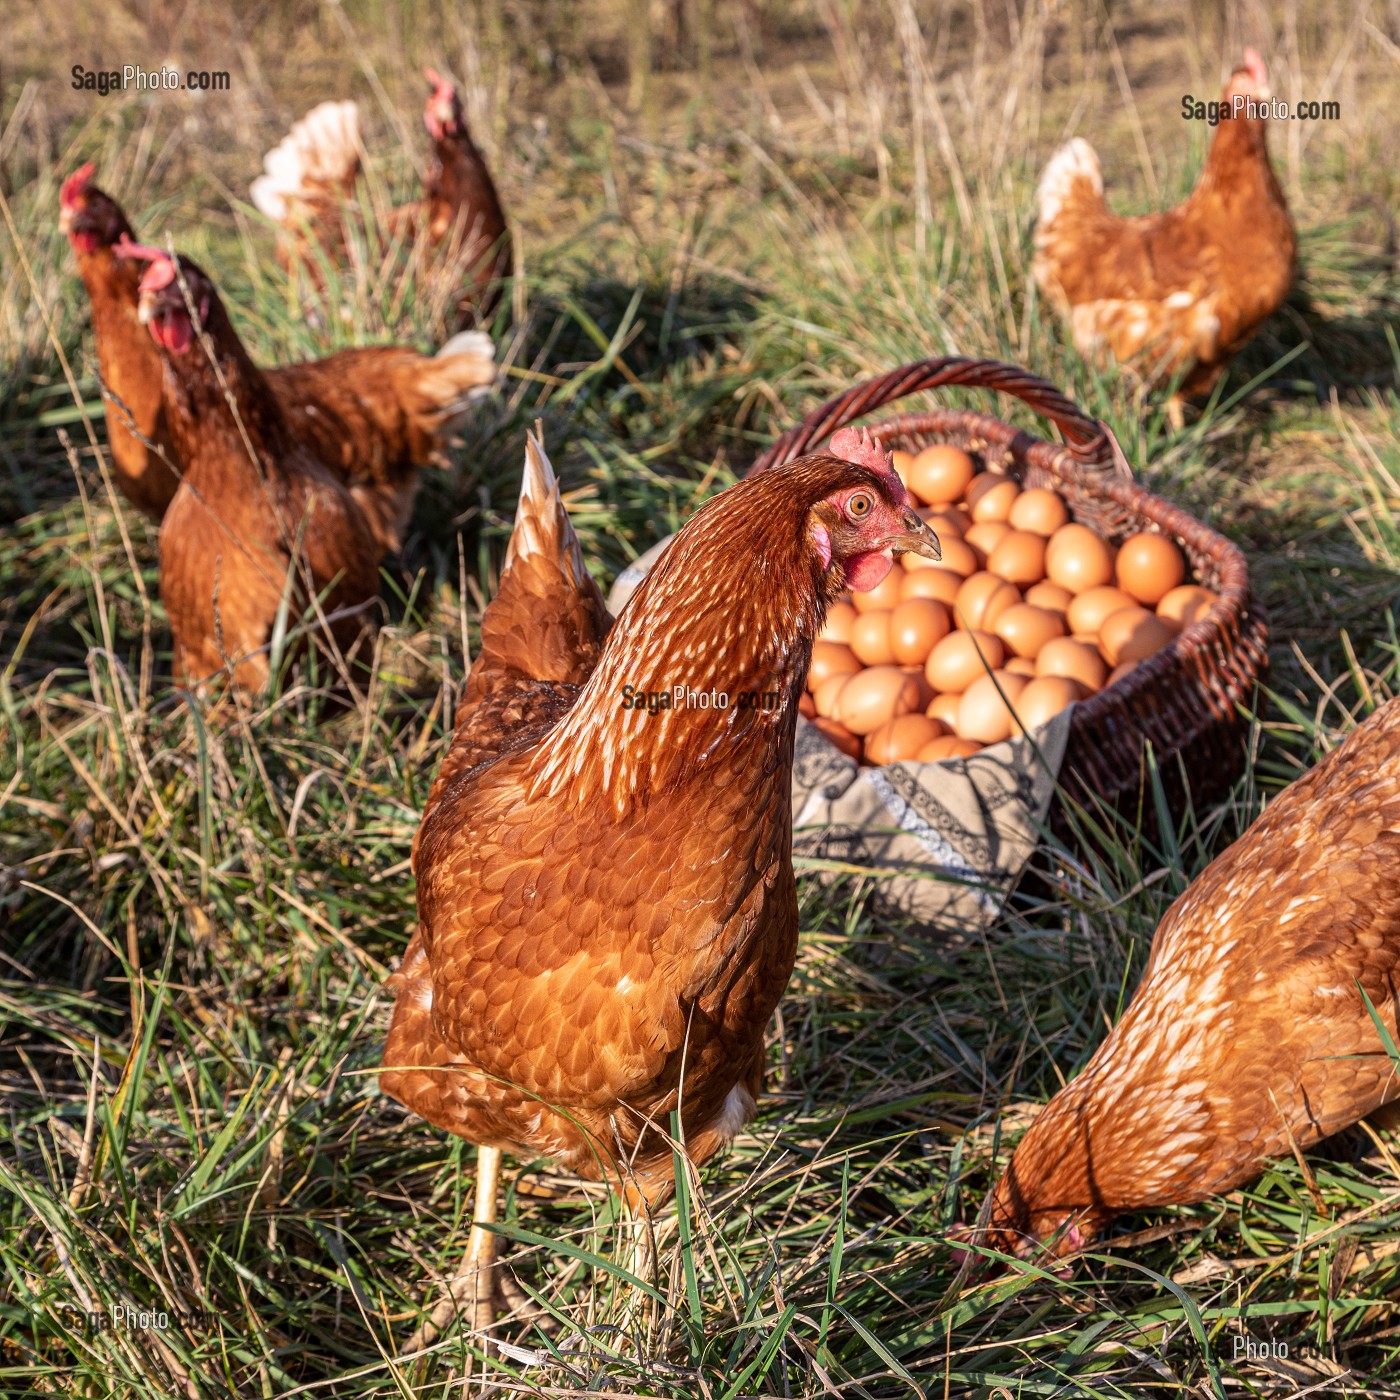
x,y
859,506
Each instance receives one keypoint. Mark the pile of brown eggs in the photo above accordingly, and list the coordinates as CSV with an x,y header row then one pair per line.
x,y
1026,612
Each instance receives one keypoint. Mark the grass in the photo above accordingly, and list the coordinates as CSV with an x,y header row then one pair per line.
x,y
199,912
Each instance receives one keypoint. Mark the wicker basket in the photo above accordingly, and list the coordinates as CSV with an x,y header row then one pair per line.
x,y
1185,700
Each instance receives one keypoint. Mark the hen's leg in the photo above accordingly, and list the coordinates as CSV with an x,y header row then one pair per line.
x,y
1176,412
479,1284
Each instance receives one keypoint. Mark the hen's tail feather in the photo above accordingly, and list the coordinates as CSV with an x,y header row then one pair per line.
x,y
1073,177
318,159
547,621
436,391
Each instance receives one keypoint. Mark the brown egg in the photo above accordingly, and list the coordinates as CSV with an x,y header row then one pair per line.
x,y
1118,672
982,599
1020,666
984,537
840,618
958,558
1025,629
986,712
1075,660
1044,698
960,658
1132,634
1039,510
947,520
883,597
825,698
1077,559
915,627
903,461
940,584
951,518
944,709
902,738
1087,611
940,474
870,639
830,659
874,696
1019,558
1149,567
840,736
926,691
806,706
1187,604
948,746
1049,596
991,496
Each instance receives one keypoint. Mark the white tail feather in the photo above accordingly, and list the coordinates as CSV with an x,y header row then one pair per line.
x,y
1075,160
321,151
477,347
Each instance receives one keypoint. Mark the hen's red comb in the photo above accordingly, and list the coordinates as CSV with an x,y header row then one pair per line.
x,y
859,447
161,272
74,186
1254,65
444,89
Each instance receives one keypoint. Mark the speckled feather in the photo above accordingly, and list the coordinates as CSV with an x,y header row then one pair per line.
x,y
1179,291
1248,1024
607,910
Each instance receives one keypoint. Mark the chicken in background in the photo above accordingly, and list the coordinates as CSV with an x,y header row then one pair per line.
x,y
143,461
606,901
1179,293
1249,1037
311,174
372,415
258,518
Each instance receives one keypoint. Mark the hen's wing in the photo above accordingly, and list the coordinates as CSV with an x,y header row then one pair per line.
x,y
375,415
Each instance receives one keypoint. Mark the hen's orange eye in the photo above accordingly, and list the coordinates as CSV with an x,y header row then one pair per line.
x,y
859,506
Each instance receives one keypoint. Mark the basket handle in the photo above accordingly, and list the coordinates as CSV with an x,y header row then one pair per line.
x,y
1088,440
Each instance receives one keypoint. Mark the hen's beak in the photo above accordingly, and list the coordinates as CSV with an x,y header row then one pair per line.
x,y
917,537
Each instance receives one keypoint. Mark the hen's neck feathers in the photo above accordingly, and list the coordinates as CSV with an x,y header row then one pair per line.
x,y
731,608
1237,168
459,181
203,421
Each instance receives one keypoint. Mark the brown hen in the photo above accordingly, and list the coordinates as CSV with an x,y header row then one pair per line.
x,y
309,177
372,415
259,523
607,910
1178,293
1249,1033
